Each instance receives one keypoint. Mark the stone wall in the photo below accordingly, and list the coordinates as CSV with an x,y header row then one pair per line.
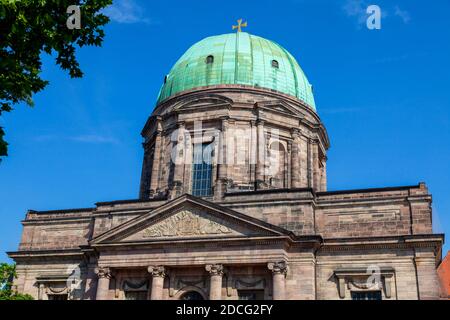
x,y
242,127
61,229
374,212
377,212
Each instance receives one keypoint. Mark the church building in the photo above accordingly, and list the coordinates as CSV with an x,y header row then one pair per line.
x,y
233,202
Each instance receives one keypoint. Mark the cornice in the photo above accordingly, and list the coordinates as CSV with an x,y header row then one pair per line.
x,y
59,253
368,190
234,88
56,220
398,242
195,93
189,242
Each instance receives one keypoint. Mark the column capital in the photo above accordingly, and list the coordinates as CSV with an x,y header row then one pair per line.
x,y
279,267
215,269
295,132
157,271
260,122
103,272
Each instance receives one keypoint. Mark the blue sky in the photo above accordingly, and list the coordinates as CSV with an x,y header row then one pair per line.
x,y
382,94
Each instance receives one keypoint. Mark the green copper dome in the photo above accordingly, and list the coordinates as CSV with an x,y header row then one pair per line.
x,y
238,58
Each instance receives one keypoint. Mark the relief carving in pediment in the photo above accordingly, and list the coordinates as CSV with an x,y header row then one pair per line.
x,y
186,223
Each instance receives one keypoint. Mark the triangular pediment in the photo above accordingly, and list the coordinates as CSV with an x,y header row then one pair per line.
x,y
202,101
190,223
189,218
279,106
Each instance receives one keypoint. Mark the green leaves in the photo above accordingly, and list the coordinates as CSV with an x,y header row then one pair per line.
x,y
29,28
7,276
7,273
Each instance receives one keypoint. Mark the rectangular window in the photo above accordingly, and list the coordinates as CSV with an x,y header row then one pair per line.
x,y
366,295
251,294
135,295
202,170
57,296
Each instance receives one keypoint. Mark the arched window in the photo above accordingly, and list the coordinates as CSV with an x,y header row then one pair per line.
x,y
277,165
275,64
209,59
191,295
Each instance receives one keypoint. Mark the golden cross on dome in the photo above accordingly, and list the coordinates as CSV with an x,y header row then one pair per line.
x,y
240,25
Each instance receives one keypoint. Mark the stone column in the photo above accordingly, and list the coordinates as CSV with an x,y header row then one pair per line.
x,y
178,156
104,275
303,151
222,165
252,152
144,187
41,289
428,284
215,282
260,156
323,179
154,182
315,166
288,166
295,160
158,274
310,163
90,288
279,271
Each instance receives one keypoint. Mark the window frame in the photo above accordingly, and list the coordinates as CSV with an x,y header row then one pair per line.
x,y
275,64
201,173
369,295
209,59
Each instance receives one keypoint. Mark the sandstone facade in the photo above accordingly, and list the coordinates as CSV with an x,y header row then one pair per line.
x,y
267,228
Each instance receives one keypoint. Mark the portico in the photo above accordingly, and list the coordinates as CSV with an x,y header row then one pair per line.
x,y
238,255
212,285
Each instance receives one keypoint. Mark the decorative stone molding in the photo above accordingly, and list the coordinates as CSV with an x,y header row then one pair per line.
x,y
185,223
405,242
360,279
177,282
201,282
215,269
256,284
52,284
295,132
136,285
279,267
103,272
260,122
157,271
